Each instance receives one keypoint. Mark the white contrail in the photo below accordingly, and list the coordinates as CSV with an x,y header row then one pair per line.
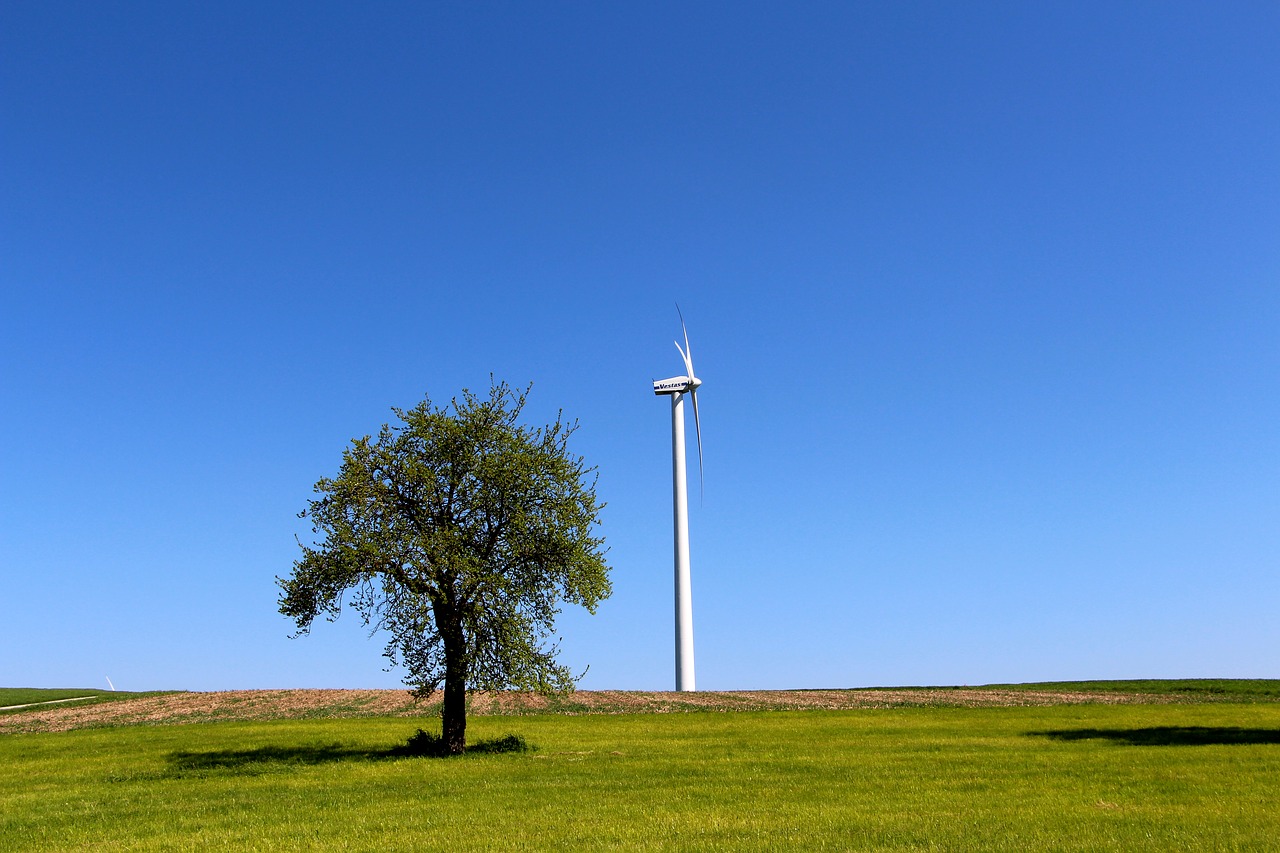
x,y
109,684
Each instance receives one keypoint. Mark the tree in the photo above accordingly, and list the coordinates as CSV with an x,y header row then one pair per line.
x,y
459,532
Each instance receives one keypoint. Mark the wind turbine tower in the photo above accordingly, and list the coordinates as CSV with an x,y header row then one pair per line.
x,y
678,387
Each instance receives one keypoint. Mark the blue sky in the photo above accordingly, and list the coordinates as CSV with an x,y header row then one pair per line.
x,y
985,297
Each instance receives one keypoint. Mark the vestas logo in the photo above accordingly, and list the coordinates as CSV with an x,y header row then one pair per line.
x,y
679,383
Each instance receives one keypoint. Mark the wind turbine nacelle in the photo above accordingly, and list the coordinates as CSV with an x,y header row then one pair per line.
x,y
675,385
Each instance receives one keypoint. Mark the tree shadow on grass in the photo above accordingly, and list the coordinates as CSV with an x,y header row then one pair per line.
x,y
268,759
1169,735
265,758
431,745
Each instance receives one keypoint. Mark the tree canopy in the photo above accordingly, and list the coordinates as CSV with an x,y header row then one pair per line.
x,y
458,531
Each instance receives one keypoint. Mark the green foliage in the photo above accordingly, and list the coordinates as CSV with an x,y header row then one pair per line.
x,y
423,743
458,531
1010,779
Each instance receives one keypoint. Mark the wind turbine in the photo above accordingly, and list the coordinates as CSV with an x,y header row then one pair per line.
x,y
677,387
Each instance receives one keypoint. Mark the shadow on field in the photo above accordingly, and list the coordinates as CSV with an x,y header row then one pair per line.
x,y
1169,735
269,758
251,760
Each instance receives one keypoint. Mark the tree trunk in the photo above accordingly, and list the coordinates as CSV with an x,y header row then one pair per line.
x,y
454,710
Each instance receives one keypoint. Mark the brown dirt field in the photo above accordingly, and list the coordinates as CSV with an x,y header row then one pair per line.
x,y
177,708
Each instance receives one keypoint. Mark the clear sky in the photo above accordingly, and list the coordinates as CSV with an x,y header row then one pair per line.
x,y
985,297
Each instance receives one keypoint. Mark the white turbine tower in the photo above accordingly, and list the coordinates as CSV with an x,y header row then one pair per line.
x,y
677,387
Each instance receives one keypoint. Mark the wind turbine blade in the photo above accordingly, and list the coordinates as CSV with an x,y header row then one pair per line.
x,y
697,428
687,352
688,362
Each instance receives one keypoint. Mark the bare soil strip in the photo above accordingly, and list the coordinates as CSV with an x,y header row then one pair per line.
x,y
177,708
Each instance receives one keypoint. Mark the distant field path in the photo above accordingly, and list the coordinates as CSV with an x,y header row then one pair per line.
x,y
45,702
176,708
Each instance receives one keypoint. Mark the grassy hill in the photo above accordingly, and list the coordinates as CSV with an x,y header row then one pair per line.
x,y
1146,776
1209,689
39,698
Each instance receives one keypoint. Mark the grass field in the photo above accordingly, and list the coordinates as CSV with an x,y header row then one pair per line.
x,y
11,696
28,695
1202,776
1186,689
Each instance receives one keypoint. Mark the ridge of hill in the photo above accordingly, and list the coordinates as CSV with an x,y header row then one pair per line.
x,y
116,709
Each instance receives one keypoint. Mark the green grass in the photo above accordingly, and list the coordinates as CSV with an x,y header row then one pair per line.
x,y
31,695
1228,689
28,695
1094,777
